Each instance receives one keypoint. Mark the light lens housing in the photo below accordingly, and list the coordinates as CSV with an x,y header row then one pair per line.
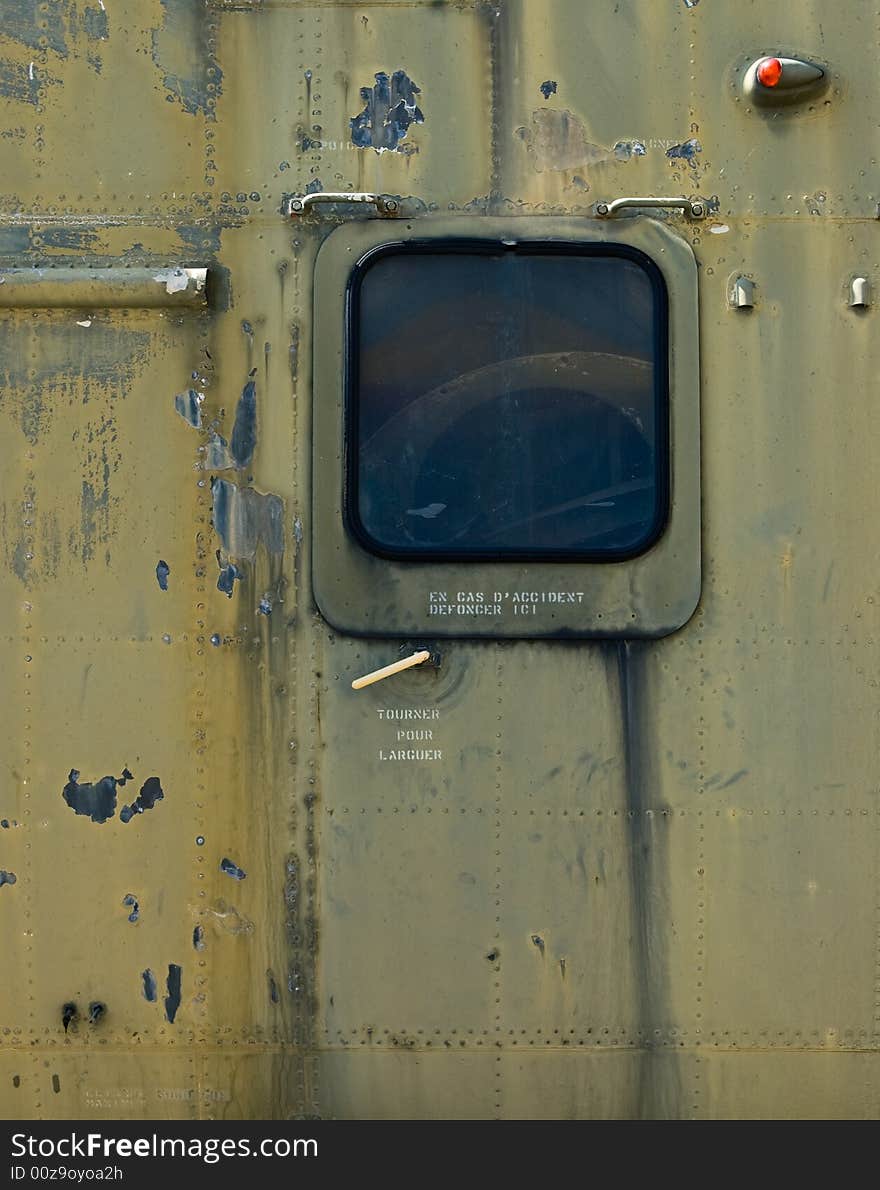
x,y
769,72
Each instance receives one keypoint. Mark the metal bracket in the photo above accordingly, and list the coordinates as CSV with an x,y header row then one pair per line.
x,y
386,206
694,208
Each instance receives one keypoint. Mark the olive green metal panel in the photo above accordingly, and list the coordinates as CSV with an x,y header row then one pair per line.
x,y
641,877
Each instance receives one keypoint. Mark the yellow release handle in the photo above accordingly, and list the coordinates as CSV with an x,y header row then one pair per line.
x,y
398,667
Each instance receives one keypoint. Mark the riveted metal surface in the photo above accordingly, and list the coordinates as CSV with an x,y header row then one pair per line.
x,y
639,877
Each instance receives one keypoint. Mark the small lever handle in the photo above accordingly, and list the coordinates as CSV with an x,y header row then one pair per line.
x,y
398,667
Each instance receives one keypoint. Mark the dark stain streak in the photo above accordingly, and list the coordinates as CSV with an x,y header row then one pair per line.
x,y
149,985
658,1086
56,1084
162,572
548,88
538,941
16,1080
827,588
389,109
231,869
151,792
244,431
737,776
273,988
293,352
68,1014
172,1000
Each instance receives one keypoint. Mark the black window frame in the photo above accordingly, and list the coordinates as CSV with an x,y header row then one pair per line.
x,y
498,247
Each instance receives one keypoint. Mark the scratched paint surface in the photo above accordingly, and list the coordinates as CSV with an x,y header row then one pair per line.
x,y
642,879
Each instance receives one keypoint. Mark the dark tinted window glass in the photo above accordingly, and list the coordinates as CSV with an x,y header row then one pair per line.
x,y
507,403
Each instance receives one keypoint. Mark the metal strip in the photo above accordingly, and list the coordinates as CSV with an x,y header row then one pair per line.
x,y
71,288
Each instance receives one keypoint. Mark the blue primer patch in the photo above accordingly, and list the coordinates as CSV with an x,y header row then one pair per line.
x,y
389,109
687,150
162,572
130,902
93,800
172,1000
548,88
231,869
149,985
151,792
7,877
244,431
226,579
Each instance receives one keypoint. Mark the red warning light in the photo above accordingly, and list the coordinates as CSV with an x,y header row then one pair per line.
x,y
769,72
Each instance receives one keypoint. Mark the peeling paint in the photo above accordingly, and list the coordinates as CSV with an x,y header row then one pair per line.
x,y
162,572
96,24
97,1011
151,792
189,405
687,149
558,140
189,74
149,985
244,431
93,800
172,1000
625,150
265,606
389,109
18,83
548,88
131,903
69,1013
229,572
37,25
273,988
231,869
243,517
198,938
7,877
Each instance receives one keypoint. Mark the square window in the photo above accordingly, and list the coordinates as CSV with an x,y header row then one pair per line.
x,y
506,428
514,405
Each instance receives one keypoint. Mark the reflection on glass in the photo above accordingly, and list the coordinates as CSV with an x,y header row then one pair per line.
x,y
508,404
